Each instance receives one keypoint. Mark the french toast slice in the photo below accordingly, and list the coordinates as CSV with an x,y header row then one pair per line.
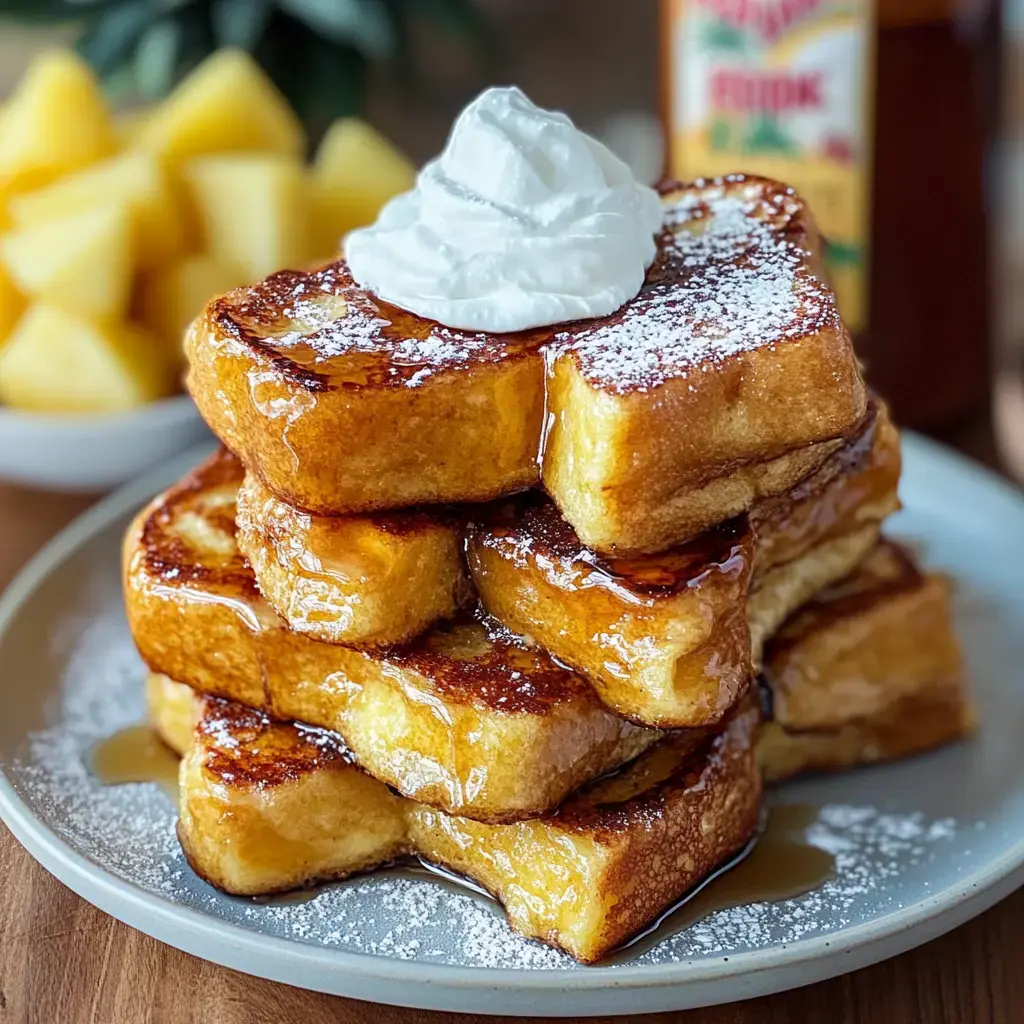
x,y
869,670
670,639
466,717
370,580
267,807
343,403
728,378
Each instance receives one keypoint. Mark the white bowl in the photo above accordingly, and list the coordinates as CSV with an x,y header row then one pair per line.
x,y
94,453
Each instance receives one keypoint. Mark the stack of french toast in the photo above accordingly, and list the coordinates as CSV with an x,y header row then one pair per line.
x,y
544,609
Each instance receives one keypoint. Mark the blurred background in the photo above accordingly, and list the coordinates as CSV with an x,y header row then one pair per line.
x,y
153,154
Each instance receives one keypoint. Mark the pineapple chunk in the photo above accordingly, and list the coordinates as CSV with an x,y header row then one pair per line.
x,y
226,104
252,210
356,171
171,297
81,263
5,186
56,121
137,179
11,304
57,362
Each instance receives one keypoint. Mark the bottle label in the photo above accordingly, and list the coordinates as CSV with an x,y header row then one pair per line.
x,y
782,88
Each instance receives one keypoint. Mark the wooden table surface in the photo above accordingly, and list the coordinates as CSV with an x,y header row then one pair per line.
x,y
64,962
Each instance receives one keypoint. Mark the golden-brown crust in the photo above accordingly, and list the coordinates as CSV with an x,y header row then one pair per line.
x,y
854,484
369,581
668,639
664,641
911,724
300,375
709,293
853,671
500,671
247,748
366,337
584,878
165,548
320,331
857,483
695,820
439,432
530,528
505,674
682,761
468,716
752,410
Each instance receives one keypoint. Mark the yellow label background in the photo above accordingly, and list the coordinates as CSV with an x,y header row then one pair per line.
x,y
838,192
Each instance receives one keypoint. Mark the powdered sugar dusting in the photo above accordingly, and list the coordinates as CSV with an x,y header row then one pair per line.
x,y
727,280
129,831
728,283
354,324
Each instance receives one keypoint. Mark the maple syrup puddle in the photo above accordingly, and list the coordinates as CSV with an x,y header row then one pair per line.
x,y
136,754
777,864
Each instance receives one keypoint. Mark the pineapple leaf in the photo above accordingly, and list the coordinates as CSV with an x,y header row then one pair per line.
x,y
402,55
113,35
119,83
240,23
197,35
329,81
44,11
157,57
461,18
363,24
317,51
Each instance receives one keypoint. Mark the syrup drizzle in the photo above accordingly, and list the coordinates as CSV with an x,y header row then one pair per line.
x,y
136,754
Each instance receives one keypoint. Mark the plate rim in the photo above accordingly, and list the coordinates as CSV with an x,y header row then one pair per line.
x,y
454,987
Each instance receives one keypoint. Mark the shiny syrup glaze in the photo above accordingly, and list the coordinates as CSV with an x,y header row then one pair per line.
x,y
205,492
865,470
346,547
475,655
470,660
248,749
319,331
165,552
260,752
777,864
530,526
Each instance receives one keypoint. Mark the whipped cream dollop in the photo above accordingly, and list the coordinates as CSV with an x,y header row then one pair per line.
x,y
523,221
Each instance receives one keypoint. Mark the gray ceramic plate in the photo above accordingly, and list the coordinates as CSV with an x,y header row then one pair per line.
x,y
920,847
